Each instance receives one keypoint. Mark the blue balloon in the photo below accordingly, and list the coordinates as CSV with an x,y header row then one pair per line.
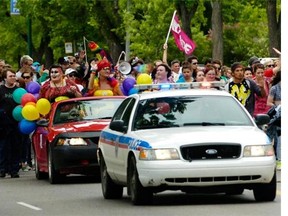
x,y
133,91
26,127
128,83
33,87
18,94
123,90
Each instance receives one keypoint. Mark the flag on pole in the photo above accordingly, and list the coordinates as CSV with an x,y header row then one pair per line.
x,y
183,42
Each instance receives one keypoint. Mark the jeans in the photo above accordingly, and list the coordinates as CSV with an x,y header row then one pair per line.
x,y
10,149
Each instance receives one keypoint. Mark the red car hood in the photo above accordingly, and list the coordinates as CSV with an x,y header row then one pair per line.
x,y
81,126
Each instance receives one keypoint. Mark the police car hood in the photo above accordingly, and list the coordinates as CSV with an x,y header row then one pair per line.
x,y
177,136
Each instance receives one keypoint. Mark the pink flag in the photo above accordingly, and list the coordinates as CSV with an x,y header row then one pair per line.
x,y
183,42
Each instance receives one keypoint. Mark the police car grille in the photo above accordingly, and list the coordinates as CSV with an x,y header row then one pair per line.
x,y
211,151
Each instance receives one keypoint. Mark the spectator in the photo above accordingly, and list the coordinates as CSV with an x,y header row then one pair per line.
x,y
210,74
103,84
64,63
10,138
218,65
72,75
200,76
175,69
163,74
274,127
186,73
25,61
248,73
261,102
243,89
194,64
58,86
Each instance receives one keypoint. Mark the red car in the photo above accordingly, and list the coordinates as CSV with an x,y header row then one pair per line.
x,y
67,141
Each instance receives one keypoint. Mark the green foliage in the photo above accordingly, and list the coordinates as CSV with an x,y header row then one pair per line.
x,y
55,22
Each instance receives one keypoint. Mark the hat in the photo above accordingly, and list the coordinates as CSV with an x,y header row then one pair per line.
x,y
253,60
102,64
236,65
69,71
63,60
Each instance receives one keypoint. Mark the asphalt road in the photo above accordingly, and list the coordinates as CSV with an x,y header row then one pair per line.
x,y
80,195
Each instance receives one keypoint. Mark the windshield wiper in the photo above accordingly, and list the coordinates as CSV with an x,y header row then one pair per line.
x,y
205,124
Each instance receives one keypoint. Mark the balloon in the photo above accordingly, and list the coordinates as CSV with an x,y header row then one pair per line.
x,y
128,83
17,113
30,112
144,79
36,95
133,91
28,97
123,90
43,106
33,87
17,94
26,127
31,103
60,98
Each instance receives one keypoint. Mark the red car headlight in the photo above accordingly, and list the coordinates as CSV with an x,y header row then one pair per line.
x,y
72,141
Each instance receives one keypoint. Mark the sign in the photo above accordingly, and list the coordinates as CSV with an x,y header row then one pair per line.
x,y
68,47
13,9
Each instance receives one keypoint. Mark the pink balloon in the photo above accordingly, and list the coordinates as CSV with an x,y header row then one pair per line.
x,y
28,97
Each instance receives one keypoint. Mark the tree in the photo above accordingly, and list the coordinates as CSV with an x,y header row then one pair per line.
x,y
274,27
217,30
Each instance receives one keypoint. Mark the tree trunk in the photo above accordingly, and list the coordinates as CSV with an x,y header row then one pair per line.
x,y
217,30
186,14
274,27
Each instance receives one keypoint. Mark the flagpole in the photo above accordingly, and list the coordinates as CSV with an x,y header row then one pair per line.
x,y
170,26
84,40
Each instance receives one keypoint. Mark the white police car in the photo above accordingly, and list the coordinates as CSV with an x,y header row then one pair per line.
x,y
190,140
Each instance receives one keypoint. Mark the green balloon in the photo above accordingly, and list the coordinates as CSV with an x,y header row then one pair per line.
x,y
18,94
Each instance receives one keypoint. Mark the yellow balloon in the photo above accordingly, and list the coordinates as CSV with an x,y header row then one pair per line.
x,y
60,98
103,93
30,112
43,106
144,79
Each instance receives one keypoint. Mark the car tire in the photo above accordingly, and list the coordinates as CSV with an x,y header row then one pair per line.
x,y
266,192
139,194
39,175
54,176
110,190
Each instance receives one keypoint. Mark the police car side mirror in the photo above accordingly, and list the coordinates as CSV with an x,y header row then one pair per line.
x,y
118,125
262,119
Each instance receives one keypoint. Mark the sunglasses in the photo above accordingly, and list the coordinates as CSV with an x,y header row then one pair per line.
x,y
71,63
194,63
26,77
272,65
72,75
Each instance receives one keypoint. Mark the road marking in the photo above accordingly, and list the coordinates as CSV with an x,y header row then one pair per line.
x,y
29,206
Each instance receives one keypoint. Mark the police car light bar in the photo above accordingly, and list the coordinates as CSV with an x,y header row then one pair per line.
x,y
186,85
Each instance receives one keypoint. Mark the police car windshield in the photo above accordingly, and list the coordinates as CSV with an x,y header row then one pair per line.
x,y
190,111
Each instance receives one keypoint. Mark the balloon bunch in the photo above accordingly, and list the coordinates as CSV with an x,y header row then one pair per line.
x,y
28,110
127,86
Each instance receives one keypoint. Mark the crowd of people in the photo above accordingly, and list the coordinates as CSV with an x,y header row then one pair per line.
x,y
256,85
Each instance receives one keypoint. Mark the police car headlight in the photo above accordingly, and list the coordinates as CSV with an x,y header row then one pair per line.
x,y
258,150
71,141
159,154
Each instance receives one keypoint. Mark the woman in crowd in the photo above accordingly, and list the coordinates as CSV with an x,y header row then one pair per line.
x,y
163,74
260,102
58,86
